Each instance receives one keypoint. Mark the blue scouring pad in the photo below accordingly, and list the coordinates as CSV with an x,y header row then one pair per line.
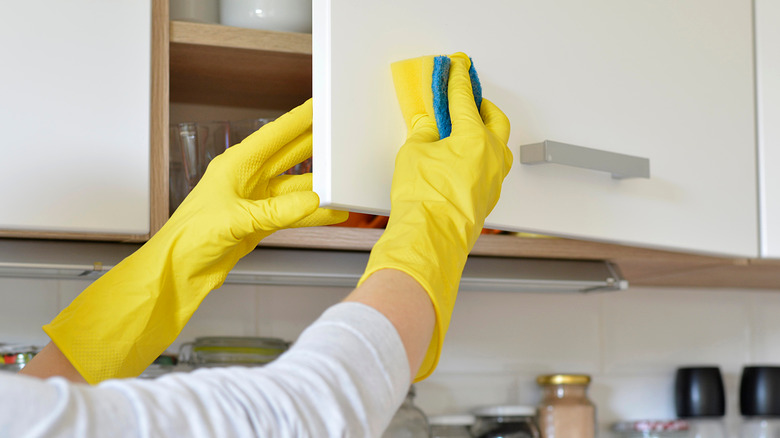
x,y
441,104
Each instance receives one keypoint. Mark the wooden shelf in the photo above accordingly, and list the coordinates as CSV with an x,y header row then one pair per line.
x,y
641,267
223,65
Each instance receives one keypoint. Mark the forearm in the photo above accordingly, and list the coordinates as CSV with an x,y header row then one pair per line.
x,y
403,301
50,362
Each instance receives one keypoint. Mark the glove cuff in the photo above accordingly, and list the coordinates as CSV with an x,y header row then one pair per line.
x,y
427,253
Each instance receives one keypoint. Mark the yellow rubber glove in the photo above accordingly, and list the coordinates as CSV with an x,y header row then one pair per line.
x,y
442,190
125,319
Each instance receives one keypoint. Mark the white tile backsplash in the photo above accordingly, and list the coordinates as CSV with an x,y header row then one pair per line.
x,y
765,325
511,332
651,330
630,341
227,311
445,393
25,306
291,309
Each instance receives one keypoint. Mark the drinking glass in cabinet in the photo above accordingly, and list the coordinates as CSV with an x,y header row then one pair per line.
x,y
177,181
199,143
241,129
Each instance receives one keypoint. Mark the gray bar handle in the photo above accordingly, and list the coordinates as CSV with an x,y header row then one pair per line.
x,y
619,165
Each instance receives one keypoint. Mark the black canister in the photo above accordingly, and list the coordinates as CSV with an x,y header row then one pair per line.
x,y
759,391
701,400
699,392
759,401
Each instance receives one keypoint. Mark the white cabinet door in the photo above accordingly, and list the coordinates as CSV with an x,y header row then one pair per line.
x,y
768,87
74,116
668,80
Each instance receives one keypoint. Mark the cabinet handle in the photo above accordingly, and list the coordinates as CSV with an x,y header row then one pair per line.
x,y
619,165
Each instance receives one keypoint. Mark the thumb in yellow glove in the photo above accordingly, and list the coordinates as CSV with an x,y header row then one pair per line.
x,y
442,189
130,315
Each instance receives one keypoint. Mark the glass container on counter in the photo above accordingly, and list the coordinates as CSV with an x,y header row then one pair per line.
x,y
565,410
164,364
505,422
14,357
409,420
652,429
221,351
451,426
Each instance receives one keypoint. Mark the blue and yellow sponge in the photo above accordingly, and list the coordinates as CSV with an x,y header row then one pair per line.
x,y
421,85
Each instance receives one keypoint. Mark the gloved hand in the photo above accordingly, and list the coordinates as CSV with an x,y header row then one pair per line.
x,y
441,193
125,319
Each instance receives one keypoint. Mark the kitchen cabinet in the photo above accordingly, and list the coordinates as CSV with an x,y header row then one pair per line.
x,y
221,66
78,104
667,80
768,106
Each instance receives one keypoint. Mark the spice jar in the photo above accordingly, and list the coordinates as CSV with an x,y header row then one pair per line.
x,y
565,411
409,421
505,422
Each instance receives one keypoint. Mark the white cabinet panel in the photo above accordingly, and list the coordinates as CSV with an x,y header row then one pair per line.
x,y
669,80
74,105
768,87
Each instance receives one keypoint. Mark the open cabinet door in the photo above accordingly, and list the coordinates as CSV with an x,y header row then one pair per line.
x,y
668,80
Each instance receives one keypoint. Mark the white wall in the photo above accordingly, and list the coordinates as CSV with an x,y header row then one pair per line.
x,y
630,341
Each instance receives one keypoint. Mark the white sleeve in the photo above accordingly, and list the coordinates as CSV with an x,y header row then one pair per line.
x,y
344,377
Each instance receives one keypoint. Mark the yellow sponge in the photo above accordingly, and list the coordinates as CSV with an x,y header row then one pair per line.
x,y
421,88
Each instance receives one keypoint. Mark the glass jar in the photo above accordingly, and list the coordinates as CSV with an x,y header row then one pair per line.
x,y
652,429
164,364
221,351
409,421
451,426
505,422
565,411
14,357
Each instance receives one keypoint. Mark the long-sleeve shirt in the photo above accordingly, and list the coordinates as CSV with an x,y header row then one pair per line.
x,y
344,377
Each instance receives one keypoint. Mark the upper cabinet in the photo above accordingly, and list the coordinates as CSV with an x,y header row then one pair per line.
x,y
75,99
671,81
768,104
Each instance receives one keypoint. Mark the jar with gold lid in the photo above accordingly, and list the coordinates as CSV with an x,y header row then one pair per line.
x,y
565,410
